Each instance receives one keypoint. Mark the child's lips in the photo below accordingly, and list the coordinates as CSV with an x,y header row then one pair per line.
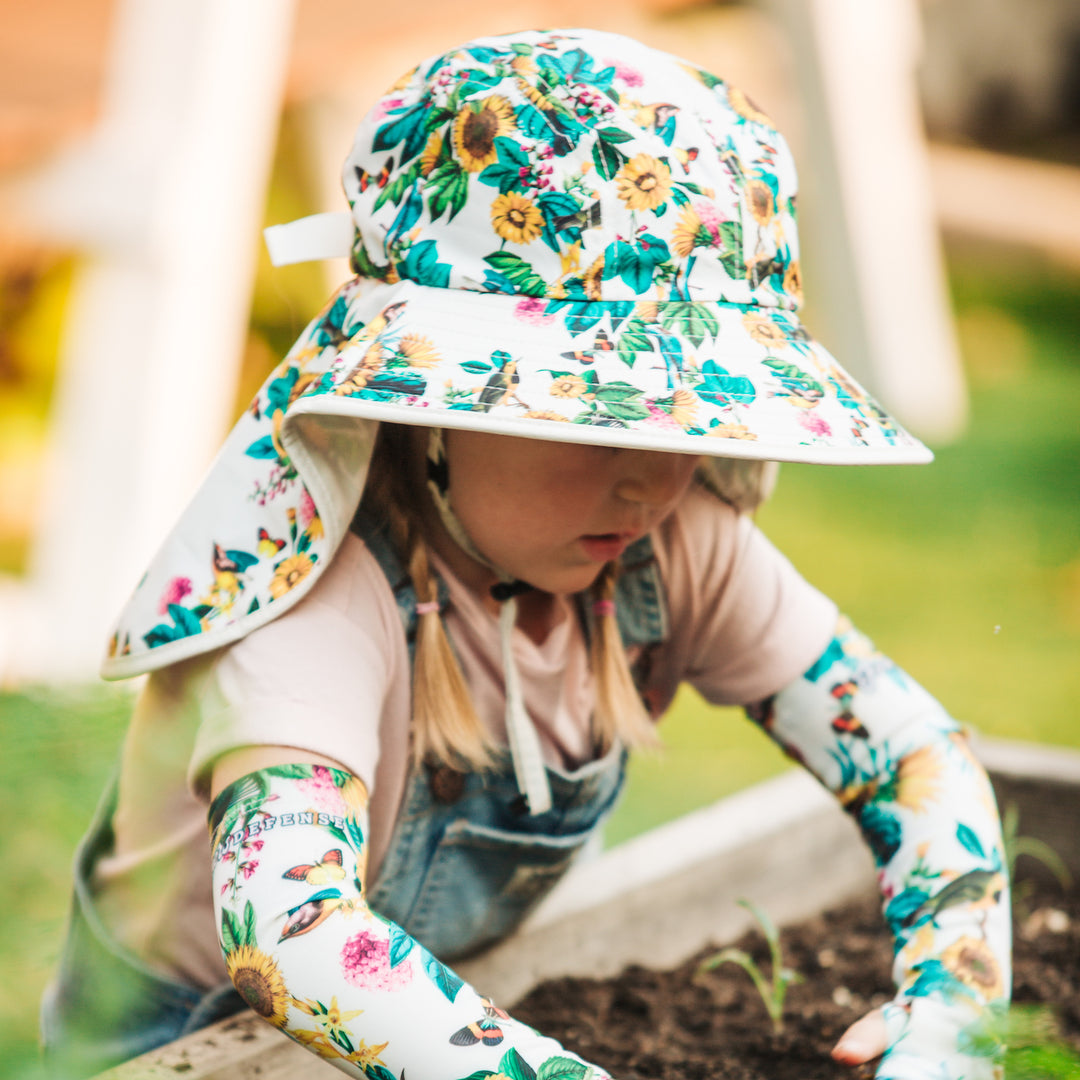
x,y
604,547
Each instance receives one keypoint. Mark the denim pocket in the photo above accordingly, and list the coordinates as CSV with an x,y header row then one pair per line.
x,y
481,882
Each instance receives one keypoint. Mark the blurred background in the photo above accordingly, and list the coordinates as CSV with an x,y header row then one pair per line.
x,y
143,145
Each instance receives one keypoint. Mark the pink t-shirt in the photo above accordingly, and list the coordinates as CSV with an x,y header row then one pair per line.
x,y
332,676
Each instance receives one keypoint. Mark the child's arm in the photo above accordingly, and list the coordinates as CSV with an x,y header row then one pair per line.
x,y
307,954
902,767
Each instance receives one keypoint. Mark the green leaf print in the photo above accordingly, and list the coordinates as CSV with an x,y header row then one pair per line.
x,y
422,266
628,412
278,393
617,392
378,1072
614,135
230,931
635,263
506,174
407,216
695,321
400,944
902,907
935,978
562,217
562,1068
515,269
407,127
243,796
532,122
448,981
397,187
607,158
969,839
263,449
249,925
633,340
291,772
514,1066
448,189
244,559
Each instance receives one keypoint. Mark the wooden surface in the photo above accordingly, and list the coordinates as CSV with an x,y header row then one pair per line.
x,y
784,843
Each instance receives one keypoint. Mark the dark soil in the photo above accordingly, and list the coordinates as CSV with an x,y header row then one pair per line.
x,y
676,1025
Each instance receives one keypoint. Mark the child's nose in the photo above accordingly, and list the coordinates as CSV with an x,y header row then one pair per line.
x,y
651,477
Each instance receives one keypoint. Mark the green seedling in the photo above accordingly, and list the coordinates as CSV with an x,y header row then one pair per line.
x,y
1016,845
772,990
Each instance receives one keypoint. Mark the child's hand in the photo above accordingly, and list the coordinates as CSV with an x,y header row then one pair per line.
x,y
865,1040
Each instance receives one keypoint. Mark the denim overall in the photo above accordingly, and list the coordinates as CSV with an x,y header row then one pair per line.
x,y
466,863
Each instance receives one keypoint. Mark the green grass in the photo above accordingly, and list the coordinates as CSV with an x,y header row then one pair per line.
x,y
59,749
967,572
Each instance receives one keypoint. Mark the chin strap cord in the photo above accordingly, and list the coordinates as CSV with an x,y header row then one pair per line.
x,y
525,750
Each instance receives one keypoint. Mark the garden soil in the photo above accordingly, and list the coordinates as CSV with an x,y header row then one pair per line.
x,y
679,1025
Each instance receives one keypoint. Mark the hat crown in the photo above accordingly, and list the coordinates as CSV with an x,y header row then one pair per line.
x,y
574,165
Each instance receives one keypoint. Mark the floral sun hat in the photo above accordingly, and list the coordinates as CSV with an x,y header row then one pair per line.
x,y
560,235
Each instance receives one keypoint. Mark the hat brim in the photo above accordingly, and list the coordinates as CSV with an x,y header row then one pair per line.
x,y
695,377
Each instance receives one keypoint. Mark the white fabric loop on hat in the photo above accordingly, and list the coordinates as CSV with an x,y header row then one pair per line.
x,y
308,239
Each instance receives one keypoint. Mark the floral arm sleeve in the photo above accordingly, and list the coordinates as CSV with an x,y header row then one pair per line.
x,y
309,956
902,768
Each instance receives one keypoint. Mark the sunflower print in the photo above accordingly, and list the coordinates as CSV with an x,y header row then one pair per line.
x,y
419,351
761,201
289,573
973,962
477,127
644,183
259,982
516,218
746,108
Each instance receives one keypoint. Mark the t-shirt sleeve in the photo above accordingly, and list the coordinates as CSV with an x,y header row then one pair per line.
x,y
744,622
316,679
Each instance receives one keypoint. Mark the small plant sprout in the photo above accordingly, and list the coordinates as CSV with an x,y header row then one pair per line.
x,y
772,990
1016,845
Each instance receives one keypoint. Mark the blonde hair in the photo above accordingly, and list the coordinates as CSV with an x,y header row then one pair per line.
x,y
445,727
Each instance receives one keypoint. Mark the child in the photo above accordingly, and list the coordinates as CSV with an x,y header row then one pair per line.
x,y
568,356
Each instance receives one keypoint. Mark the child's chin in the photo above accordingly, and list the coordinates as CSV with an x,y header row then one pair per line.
x,y
567,582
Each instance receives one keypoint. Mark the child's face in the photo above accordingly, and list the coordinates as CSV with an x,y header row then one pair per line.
x,y
553,513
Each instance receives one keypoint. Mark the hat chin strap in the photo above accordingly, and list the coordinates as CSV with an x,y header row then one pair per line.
x,y
529,770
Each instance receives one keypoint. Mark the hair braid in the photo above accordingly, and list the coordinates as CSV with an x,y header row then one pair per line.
x,y
619,710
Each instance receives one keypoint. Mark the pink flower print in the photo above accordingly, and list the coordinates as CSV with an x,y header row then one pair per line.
x,y
249,868
323,792
816,425
707,215
658,418
365,962
629,76
174,593
306,509
531,310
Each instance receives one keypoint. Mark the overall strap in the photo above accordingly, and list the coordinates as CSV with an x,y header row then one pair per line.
x,y
641,610
376,535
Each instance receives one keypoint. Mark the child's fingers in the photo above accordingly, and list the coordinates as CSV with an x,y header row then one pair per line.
x,y
865,1040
